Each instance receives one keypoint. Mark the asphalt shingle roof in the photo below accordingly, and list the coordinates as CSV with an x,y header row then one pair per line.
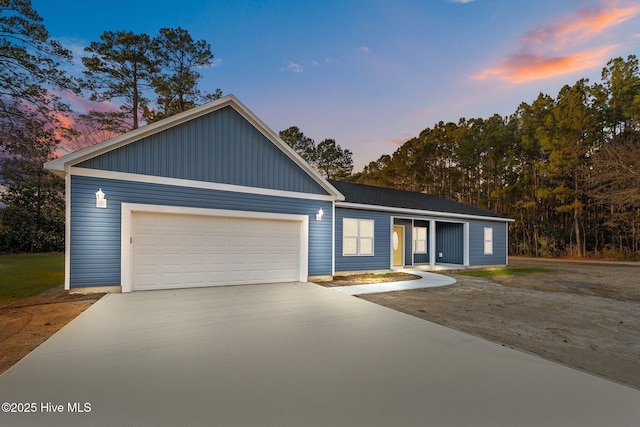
x,y
380,196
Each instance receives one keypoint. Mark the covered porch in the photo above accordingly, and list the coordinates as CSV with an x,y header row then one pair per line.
x,y
429,243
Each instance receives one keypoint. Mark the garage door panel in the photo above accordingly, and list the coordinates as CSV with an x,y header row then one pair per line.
x,y
174,251
254,258
194,240
216,258
145,280
216,277
196,278
167,260
216,242
192,258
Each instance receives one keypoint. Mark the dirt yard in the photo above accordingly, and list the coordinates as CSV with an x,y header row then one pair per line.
x,y
583,315
29,322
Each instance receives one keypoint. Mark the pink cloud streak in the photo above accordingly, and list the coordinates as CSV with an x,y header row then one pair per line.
x,y
588,23
556,49
525,67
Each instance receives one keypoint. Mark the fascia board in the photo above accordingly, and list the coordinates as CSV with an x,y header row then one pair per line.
x,y
407,211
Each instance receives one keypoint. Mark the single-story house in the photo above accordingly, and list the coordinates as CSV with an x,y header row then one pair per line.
x,y
212,196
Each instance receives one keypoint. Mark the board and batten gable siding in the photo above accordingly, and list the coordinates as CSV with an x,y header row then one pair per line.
x,y
476,243
449,242
221,147
381,257
96,233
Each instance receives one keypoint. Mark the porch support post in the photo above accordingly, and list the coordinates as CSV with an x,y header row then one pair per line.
x,y
432,244
466,244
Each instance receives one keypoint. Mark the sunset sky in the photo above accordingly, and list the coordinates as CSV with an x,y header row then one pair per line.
x,y
372,74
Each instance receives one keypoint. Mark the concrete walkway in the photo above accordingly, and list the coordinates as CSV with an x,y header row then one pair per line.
x,y
290,355
427,280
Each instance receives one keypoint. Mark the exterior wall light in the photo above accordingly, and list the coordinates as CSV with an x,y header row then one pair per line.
x,y
101,202
319,215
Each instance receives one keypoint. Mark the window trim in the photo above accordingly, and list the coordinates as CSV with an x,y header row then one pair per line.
x,y
416,240
488,240
359,238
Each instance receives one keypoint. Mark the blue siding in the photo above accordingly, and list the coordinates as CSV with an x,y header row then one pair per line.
x,y
95,233
421,258
382,241
449,243
221,146
476,243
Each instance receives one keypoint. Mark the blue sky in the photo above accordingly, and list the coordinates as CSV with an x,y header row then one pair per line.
x,y
373,74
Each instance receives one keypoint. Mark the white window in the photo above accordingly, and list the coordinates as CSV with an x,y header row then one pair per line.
x,y
488,241
357,237
419,240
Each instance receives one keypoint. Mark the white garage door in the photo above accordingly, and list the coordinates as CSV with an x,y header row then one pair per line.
x,y
181,251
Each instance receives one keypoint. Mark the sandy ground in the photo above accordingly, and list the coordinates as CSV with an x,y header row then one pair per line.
x,y
29,322
584,315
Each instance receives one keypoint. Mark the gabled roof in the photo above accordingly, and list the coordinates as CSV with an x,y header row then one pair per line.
x,y
368,195
62,165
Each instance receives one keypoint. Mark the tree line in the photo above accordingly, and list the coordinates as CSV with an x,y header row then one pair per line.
x,y
149,77
327,157
566,168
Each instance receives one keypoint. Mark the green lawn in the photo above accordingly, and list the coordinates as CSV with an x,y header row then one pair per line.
x,y
504,271
23,276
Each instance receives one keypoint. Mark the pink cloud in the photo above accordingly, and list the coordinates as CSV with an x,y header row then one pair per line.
x,y
87,136
561,47
524,67
588,23
83,105
425,112
364,49
397,141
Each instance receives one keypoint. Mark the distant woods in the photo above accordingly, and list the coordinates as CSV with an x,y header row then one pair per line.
x,y
128,67
327,157
567,169
145,78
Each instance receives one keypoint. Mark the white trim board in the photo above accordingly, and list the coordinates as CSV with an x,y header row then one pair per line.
x,y
440,216
67,232
127,210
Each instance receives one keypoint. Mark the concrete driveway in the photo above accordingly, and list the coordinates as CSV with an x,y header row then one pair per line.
x,y
291,355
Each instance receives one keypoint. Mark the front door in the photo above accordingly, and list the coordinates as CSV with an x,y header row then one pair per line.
x,y
397,242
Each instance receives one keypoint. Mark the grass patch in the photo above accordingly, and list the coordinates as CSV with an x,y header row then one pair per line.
x,y
503,271
22,276
368,278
